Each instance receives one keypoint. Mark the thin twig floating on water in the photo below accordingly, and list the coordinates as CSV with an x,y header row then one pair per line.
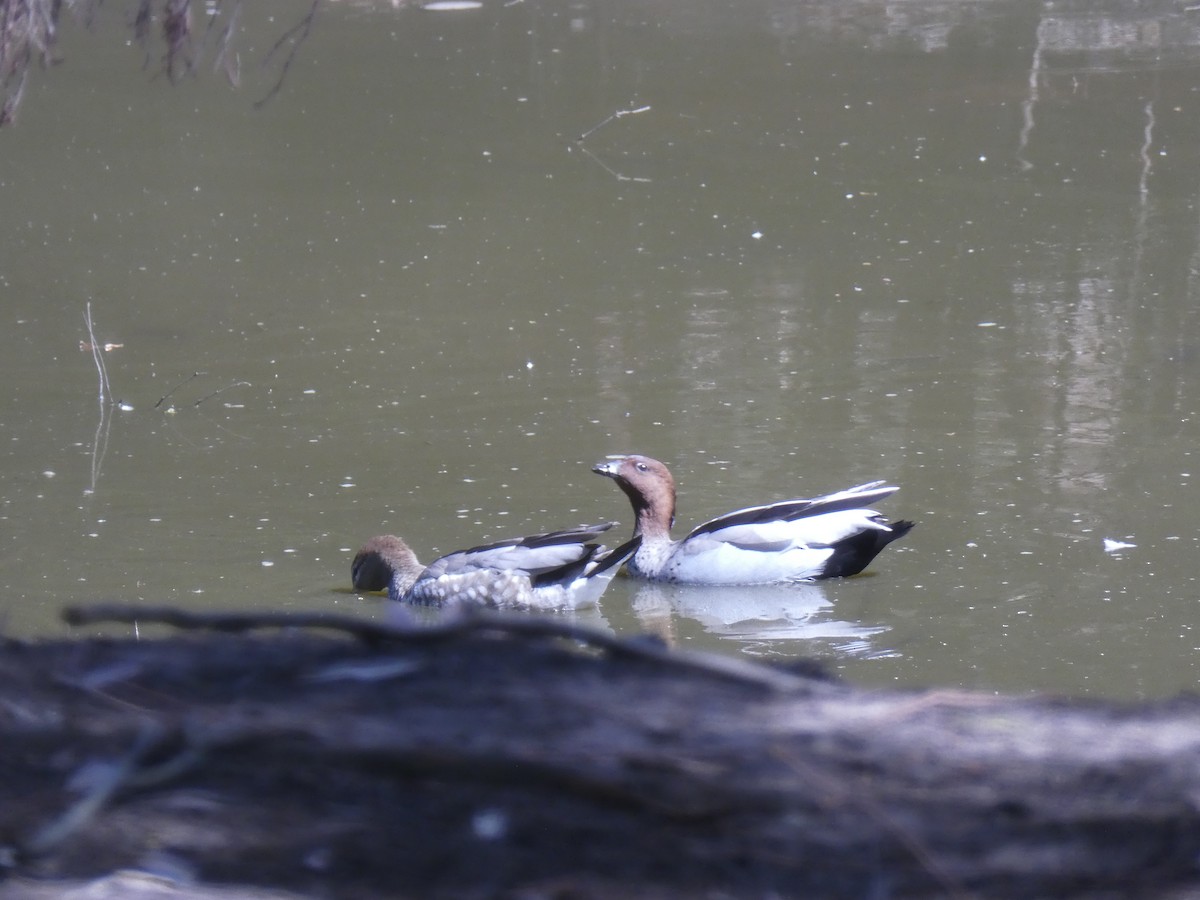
x,y
192,377
592,156
100,440
617,115
220,390
97,356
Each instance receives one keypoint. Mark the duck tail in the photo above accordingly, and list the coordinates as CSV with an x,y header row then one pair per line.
x,y
567,573
614,558
853,554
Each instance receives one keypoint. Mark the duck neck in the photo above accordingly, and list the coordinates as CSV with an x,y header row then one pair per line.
x,y
654,518
405,571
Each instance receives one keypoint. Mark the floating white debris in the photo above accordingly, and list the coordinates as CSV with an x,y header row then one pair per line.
x,y
1111,546
451,5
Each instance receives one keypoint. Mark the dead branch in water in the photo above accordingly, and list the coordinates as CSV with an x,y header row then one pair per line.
x,y
163,28
295,36
28,32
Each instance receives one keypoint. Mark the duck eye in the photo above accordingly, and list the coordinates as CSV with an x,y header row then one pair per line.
x,y
642,467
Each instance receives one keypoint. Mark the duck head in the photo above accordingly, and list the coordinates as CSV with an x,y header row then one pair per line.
x,y
378,560
649,486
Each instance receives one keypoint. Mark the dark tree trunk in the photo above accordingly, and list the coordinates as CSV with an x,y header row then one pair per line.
x,y
487,760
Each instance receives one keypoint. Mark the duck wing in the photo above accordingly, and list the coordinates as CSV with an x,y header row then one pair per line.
x,y
760,525
538,554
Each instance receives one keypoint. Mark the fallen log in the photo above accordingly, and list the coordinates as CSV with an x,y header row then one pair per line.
x,y
495,755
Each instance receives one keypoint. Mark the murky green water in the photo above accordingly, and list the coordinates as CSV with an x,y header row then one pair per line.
x,y
948,245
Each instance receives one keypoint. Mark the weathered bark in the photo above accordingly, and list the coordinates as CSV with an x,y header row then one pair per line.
x,y
492,758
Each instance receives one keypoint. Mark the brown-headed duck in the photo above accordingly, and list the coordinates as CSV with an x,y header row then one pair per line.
x,y
793,540
559,570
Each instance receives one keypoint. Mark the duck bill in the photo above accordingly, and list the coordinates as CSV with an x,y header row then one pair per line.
x,y
609,467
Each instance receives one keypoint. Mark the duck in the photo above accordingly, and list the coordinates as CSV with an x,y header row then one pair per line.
x,y
790,541
556,570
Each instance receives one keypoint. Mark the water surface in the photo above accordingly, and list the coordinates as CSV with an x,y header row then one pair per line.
x,y
949,245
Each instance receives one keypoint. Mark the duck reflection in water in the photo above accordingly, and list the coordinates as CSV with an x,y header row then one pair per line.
x,y
764,618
